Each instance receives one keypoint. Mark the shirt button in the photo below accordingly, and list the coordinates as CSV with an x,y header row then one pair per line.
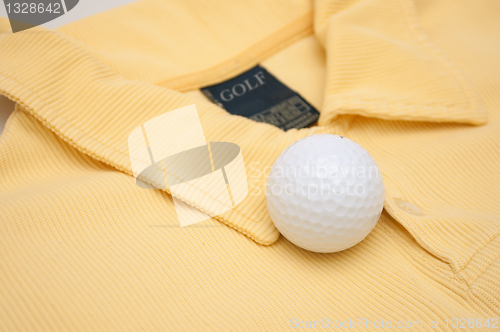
x,y
409,207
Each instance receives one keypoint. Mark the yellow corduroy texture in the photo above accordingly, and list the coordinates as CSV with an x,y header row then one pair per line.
x,y
83,248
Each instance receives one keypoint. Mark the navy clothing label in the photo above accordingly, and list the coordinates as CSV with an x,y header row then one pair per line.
x,y
258,95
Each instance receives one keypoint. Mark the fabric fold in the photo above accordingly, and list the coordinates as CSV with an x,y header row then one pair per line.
x,y
381,63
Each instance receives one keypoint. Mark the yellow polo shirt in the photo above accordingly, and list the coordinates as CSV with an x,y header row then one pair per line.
x,y
415,83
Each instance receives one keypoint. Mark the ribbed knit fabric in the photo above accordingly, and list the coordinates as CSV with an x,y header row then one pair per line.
x,y
84,248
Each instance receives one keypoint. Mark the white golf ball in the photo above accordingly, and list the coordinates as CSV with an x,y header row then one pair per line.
x,y
325,193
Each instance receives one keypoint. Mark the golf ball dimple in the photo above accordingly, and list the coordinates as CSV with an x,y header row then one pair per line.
x,y
325,193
